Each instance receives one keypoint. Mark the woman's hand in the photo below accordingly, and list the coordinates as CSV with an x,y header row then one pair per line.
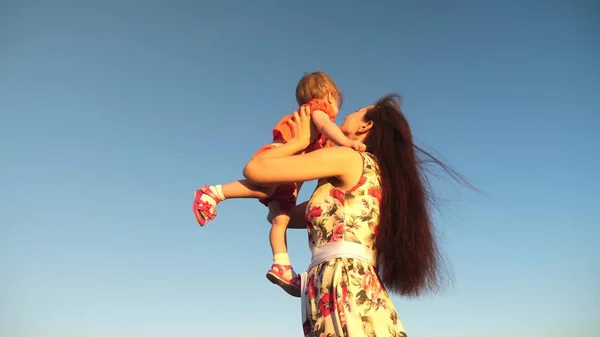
x,y
301,125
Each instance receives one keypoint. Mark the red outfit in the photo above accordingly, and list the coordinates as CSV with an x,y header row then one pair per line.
x,y
285,194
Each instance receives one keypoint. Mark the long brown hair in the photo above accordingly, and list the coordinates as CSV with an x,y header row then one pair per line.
x,y
407,252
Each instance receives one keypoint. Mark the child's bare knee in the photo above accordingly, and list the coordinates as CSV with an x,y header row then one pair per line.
x,y
278,219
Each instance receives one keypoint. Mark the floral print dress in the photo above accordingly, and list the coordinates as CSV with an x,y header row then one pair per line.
x,y
344,297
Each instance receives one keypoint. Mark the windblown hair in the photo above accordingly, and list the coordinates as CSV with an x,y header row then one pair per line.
x,y
408,258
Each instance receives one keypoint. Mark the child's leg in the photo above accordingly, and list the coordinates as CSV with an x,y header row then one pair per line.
x,y
281,272
244,189
207,198
277,236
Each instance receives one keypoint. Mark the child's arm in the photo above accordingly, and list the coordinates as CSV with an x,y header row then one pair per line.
x,y
297,216
333,132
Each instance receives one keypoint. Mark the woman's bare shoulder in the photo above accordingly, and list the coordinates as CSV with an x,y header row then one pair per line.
x,y
348,161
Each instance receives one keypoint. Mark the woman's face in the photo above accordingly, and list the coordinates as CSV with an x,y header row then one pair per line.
x,y
354,125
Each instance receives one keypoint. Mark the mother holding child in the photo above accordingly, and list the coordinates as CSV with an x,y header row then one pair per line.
x,y
368,220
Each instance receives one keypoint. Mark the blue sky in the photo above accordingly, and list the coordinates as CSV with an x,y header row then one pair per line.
x,y
113,112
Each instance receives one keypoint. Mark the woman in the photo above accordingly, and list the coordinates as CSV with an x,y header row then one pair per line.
x,y
368,215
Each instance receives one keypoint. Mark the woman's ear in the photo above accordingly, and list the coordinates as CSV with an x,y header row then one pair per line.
x,y
366,126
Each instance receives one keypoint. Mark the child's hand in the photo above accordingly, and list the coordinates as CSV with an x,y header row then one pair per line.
x,y
358,146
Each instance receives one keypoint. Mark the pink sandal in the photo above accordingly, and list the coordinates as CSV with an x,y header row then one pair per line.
x,y
203,210
290,285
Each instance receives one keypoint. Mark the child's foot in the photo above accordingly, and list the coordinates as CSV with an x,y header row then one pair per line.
x,y
205,201
285,277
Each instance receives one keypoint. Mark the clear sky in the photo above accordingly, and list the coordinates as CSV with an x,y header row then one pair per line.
x,y
113,112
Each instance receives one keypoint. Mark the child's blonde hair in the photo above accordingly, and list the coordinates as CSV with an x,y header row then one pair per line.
x,y
317,85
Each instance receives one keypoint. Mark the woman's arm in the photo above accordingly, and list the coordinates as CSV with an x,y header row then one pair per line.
x,y
333,162
298,216
279,165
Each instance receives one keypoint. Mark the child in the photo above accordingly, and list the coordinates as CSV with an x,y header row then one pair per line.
x,y
320,92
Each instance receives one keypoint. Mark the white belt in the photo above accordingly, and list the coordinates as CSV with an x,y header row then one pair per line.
x,y
331,251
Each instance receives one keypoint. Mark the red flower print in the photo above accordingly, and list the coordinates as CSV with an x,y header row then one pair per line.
x,y
338,233
370,284
341,312
344,291
306,326
312,290
342,317
315,211
326,304
376,193
361,182
337,194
